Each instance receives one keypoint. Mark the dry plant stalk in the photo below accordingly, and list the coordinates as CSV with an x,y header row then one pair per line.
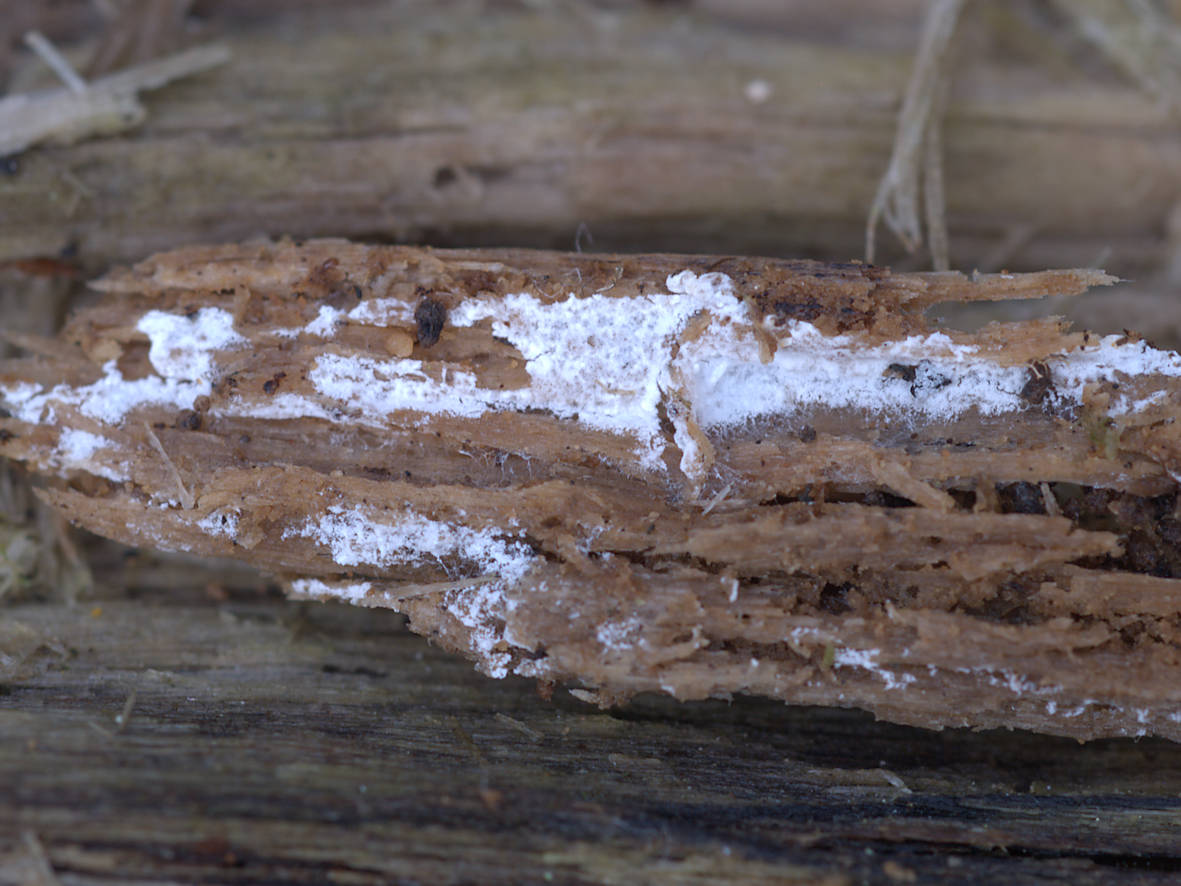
x,y
695,475
80,110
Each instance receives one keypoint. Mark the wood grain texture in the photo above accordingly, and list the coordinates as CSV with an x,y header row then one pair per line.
x,y
1053,164
699,475
281,744
459,124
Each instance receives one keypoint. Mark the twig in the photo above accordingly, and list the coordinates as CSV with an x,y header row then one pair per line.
x,y
106,105
462,736
519,726
49,54
934,200
124,716
1137,38
40,859
897,197
186,497
717,499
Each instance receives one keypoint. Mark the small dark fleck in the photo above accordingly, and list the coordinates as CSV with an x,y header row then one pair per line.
x,y
1039,383
189,420
798,311
430,316
357,292
272,384
904,371
360,671
340,299
927,378
10,165
1022,498
832,599
444,176
6,435
807,434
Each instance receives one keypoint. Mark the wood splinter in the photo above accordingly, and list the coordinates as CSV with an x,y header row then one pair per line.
x,y
684,474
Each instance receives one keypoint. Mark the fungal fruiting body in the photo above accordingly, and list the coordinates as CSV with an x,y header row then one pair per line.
x,y
694,475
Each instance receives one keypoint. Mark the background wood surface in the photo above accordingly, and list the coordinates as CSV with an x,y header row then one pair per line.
x,y
274,743
269,742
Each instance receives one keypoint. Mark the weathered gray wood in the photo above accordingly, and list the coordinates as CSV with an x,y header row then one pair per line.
x,y
464,124
274,743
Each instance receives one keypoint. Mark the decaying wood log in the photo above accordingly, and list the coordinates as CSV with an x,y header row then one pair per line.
x,y
697,475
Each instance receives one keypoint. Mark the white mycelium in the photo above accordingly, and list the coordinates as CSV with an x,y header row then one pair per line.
x,y
183,347
76,450
346,591
613,364
364,537
181,350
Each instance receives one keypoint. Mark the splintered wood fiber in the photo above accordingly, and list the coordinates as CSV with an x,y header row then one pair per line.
x,y
684,474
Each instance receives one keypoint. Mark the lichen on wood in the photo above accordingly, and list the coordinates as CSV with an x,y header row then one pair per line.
x,y
699,475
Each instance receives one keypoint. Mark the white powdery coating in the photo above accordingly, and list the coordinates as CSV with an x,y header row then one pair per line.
x,y
844,657
361,538
620,634
76,449
17,395
74,445
223,521
109,399
383,312
376,388
604,359
181,351
325,323
347,592
1110,359
375,312
728,385
181,346
279,406
867,659
482,609
610,362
